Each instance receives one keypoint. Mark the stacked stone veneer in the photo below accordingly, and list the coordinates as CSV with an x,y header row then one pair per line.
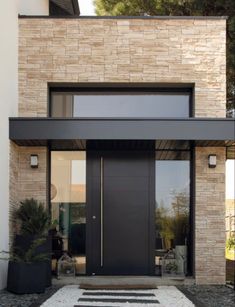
x,y
26,182
210,216
122,50
14,189
131,50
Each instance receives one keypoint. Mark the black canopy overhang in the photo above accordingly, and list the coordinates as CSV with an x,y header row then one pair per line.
x,y
38,131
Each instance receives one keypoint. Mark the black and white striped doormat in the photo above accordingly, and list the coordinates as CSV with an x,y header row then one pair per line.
x,y
72,296
119,297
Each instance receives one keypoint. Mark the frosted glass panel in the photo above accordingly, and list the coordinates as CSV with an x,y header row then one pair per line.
x,y
68,205
68,176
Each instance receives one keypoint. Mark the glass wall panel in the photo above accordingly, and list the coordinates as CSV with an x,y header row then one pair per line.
x,y
172,209
68,205
144,105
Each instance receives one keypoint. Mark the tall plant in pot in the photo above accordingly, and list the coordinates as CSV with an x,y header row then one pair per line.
x,y
33,217
34,222
26,269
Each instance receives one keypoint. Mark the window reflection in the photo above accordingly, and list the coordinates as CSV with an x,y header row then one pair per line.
x,y
144,105
62,105
172,215
68,205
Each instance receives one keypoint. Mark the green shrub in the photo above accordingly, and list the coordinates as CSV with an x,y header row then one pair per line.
x,y
230,243
33,217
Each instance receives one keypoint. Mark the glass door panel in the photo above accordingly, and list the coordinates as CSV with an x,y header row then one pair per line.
x,y
172,213
68,205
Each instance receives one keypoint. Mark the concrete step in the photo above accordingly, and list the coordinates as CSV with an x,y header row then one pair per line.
x,y
123,281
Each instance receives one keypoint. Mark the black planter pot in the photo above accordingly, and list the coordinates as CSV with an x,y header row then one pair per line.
x,y
25,278
24,242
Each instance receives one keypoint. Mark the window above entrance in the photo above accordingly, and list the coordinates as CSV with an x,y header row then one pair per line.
x,y
120,104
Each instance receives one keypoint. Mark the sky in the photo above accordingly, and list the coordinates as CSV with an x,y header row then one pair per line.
x,y
86,7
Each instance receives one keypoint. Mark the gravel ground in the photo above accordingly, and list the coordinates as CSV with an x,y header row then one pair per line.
x,y
201,296
210,296
8,299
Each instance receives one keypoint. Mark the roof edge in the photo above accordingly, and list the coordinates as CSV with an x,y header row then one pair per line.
x,y
127,17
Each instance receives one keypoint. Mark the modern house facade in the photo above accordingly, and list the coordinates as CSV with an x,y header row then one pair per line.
x,y
125,120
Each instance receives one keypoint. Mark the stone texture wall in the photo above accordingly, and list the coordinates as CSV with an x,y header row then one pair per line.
x,y
32,181
210,217
26,182
13,186
122,50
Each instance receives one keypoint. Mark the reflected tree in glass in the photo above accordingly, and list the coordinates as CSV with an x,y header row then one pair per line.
x,y
172,224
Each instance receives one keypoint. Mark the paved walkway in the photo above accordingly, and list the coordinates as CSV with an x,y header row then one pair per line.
x,y
163,296
201,296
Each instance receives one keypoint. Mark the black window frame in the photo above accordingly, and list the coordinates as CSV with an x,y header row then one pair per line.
x,y
101,88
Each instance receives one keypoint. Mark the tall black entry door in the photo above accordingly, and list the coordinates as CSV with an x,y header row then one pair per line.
x,y
120,221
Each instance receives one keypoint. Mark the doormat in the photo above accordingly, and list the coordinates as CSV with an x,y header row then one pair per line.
x,y
117,287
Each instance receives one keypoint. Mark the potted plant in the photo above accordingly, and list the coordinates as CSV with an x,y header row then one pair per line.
x,y
169,264
34,223
26,269
171,268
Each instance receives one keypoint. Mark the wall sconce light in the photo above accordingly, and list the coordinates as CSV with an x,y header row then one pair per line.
x,y
34,161
212,161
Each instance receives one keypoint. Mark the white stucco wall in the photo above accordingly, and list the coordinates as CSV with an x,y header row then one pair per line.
x,y
9,100
8,107
34,7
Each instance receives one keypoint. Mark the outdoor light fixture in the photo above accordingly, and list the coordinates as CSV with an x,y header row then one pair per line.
x,y
34,161
212,161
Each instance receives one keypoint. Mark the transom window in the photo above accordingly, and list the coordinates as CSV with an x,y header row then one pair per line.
x,y
120,104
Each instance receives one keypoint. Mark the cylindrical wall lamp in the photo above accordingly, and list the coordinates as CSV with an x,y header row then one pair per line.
x,y
212,161
34,161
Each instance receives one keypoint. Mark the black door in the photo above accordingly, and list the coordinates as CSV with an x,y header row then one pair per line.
x,y
120,221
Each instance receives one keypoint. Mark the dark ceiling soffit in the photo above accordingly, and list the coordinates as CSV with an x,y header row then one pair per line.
x,y
70,6
197,129
230,152
76,7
